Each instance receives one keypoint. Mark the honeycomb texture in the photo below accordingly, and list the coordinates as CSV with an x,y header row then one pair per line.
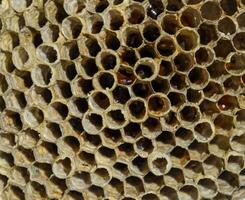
x,y
122,99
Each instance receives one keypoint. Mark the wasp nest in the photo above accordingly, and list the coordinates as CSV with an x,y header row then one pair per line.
x,y
122,99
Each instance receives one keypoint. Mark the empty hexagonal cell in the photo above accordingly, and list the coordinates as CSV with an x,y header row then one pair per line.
x,y
147,51
11,121
125,75
155,8
132,37
35,190
96,23
189,192
47,53
184,136
50,33
114,188
228,182
241,20
211,10
160,85
74,6
73,195
151,31
224,47
57,111
126,150
219,144
111,138
165,46
144,147
224,121
108,60
81,104
20,57
3,84
159,164
190,113
7,161
135,13
213,88
20,175
230,7
165,140
238,142
89,66
62,167
179,156
23,157
101,176
198,150
95,192
178,81
69,144
121,169
174,177
227,26
111,40
28,138
168,193
204,55
45,152
71,50
114,19
105,155
3,182
133,186
208,187
15,192
146,69
71,27
187,39
86,160
193,169
235,66
190,17
176,99
116,118
92,122
33,116
158,104
235,162
92,45
207,33
213,165
141,89
183,61
55,187
228,102
7,141
204,131
41,75
131,131
40,172
165,68
151,127
137,109
79,181
170,24
105,80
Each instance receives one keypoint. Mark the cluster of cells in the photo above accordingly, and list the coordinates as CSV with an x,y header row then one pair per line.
x,y
122,99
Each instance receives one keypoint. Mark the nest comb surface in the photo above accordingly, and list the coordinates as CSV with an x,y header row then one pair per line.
x,y
122,99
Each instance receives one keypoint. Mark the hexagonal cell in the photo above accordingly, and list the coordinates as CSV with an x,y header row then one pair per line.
x,y
73,195
179,156
105,80
230,7
116,118
92,122
11,121
207,33
92,141
50,33
238,142
155,8
169,193
62,167
71,50
133,186
241,20
40,172
174,5
3,182
217,69
100,176
224,47
45,152
235,162
170,24
108,60
189,192
165,140
227,26
211,10
96,23
114,188
111,40
69,144
158,104
33,116
35,190
111,137
228,182
20,175
27,138
20,57
15,192
151,31
95,192
7,141
132,37
105,155
71,27
79,181
213,165
174,177
73,7
235,66
204,131
86,160
160,84
183,61
159,164
115,19
187,39
198,150
41,75
141,89
47,54
193,169
212,89
121,169
165,46
151,127
135,13
177,99
204,55
190,17
178,81
92,45
184,136
125,75
190,113
58,111
126,150
23,157
137,109
55,187
224,121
